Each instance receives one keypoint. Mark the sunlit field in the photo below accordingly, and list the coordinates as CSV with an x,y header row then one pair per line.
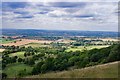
x,y
19,54
81,48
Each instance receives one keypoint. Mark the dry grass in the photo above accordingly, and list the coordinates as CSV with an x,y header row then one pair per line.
x,y
64,41
1,50
104,39
109,39
25,41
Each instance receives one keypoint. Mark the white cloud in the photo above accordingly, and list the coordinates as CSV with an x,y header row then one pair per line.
x,y
91,16
60,0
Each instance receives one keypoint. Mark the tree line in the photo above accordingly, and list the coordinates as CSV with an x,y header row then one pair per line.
x,y
78,59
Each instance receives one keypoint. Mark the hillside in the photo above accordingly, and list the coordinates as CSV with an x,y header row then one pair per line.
x,y
109,70
38,60
43,33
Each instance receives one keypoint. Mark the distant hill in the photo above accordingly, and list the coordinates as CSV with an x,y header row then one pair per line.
x,y
109,70
32,32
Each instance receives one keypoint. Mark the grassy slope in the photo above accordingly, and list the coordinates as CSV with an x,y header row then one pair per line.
x,y
80,48
109,70
13,69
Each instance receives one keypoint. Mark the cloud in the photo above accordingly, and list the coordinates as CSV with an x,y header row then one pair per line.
x,y
66,4
84,16
14,5
22,12
27,16
72,15
58,13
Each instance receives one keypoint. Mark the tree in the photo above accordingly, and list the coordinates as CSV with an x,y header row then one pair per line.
x,y
15,57
84,62
25,54
22,48
35,71
20,59
14,41
22,73
28,54
41,55
4,75
95,57
29,61
33,53
114,54
72,60
3,65
37,68
63,65
44,68
49,63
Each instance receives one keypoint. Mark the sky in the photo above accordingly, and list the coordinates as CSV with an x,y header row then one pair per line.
x,y
83,16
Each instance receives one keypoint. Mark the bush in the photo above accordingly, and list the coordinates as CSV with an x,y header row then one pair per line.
x,y
22,73
20,59
4,75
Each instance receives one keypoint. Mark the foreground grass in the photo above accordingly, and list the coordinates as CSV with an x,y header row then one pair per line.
x,y
109,70
12,70
80,48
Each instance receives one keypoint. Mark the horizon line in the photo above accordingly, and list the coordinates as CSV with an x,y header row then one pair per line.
x,y
59,30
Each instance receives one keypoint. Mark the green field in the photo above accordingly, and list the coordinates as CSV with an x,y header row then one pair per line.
x,y
12,70
3,41
35,45
80,48
109,70
19,54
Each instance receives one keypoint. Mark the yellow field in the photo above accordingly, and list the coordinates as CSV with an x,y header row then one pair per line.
x,y
64,41
1,50
25,41
109,39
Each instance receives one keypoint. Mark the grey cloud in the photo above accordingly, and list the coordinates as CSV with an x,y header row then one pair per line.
x,y
66,4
